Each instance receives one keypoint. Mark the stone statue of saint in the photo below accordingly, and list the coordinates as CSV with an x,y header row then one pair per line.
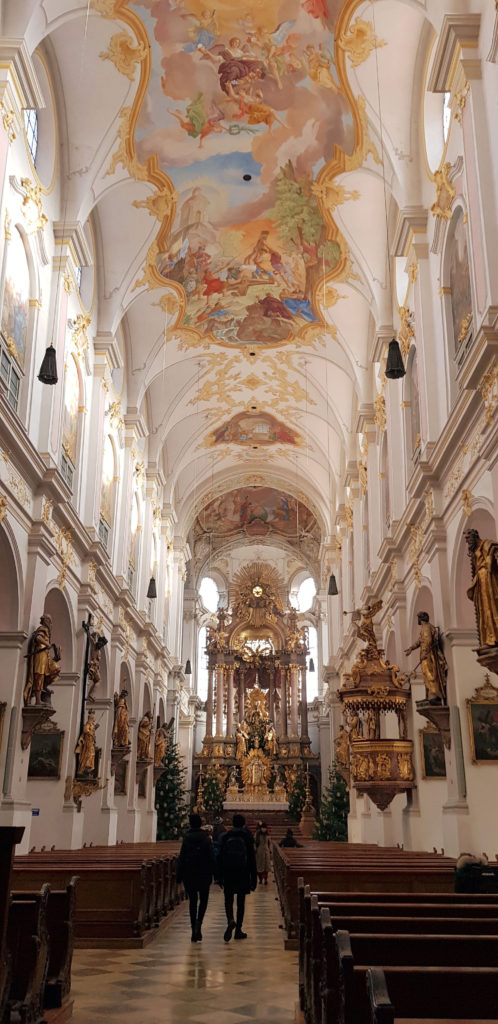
x,y
233,782
121,729
432,660
86,747
43,663
144,731
160,745
241,738
484,589
271,744
341,744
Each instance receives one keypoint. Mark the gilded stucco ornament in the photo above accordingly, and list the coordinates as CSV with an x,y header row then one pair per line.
x,y
79,336
488,386
124,54
359,41
3,507
32,206
406,332
445,192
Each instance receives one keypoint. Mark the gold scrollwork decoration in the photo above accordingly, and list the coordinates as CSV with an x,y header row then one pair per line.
x,y
124,54
445,192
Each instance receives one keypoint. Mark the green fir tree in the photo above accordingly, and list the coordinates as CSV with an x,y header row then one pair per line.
x,y
212,794
170,796
297,796
332,821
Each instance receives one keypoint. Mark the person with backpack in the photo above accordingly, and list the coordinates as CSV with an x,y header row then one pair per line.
x,y
236,872
196,865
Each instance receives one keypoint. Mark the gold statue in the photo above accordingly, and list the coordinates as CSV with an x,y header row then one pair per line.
x,y
94,662
86,747
355,727
271,743
144,731
341,744
484,589
121,729
43,669
373,725
432,660
363,620
160,745
241,738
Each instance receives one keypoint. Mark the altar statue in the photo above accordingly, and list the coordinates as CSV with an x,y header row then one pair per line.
x,y
257,773
144,731
241,738
86,747
341,744
484,588
121,729
43,668
355,728
271,744
432,660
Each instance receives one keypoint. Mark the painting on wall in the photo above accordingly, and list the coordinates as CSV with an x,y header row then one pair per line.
x,y
459,274
254,429
247,105
482,710
256,512
45,753
71,406
15,307
432,754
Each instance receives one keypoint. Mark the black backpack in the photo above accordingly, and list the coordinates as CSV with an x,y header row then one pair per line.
x,y
234,853
195,854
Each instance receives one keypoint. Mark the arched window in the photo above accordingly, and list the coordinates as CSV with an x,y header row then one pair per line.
x,y
31,130
134,542
305,594
14,321
202,665
209,594
312,677
107,491
446,114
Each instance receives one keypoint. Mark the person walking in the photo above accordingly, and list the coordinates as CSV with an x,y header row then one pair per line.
x,y
289,839
236,872
196,865
263,854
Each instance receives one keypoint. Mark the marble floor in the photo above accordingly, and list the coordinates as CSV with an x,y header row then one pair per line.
x,y
210,982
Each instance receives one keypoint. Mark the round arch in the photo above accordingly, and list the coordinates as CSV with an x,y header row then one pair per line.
x,y
482,520
63,632
10,581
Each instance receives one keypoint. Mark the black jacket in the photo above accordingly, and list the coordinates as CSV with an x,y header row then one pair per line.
x,y
245,879
196,864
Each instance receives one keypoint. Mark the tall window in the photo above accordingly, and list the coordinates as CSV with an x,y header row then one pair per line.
x,y
31,129
202,665
312,677
209,594
446,114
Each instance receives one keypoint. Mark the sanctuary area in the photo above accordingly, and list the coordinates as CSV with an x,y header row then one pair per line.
x,y
248,511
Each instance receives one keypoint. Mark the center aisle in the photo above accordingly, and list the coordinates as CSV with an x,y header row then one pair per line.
x,y
211,982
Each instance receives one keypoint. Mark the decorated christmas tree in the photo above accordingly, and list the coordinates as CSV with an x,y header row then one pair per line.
x,y
297,796
212,794
332,821
170,796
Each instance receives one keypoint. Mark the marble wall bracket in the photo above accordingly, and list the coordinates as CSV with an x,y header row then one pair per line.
x,y
488,658
33,716
142,763
118,754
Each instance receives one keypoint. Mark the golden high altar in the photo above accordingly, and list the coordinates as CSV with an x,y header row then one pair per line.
x,y
256,711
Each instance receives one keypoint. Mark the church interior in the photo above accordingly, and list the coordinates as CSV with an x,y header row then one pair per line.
x,y
248,493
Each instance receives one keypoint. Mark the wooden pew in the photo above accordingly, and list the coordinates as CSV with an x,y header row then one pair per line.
x,y
27,939
434,993
9,836
60,926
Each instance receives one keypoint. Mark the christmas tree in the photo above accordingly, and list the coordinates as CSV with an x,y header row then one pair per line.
x,y
212,794
332,822
170,796
297,796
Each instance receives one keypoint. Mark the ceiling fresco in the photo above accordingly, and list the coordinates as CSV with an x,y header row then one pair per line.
x,y
256,512
243,118
252,429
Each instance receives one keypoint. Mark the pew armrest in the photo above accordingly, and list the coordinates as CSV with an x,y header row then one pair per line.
x,y
380,1006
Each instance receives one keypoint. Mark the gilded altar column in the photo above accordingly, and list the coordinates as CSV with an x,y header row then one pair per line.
x,y
220,675
229,729
304,704
271,694
283,701
294,682
242,709
209,704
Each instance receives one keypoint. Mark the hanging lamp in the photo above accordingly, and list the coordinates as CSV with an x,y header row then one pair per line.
x,y
332,591
152,589
188,668
395,367
48,368
312,665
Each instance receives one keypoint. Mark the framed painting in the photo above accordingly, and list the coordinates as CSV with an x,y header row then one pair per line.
x,y
432,754
482,710
45,754
120,779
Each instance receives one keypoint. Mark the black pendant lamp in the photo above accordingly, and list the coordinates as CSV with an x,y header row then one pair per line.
x,y
188,668
48,368
152,589
332,591
312,665
395,367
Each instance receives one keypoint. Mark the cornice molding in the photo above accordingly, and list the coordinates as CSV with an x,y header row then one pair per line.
x,y
458,32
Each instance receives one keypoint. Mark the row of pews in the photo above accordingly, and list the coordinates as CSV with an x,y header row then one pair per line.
x,y
345,867
369,955
124,892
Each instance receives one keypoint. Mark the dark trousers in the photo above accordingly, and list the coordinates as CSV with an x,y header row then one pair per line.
x,y
241,903
197,911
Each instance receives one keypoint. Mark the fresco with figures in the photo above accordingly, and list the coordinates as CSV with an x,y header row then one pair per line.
x,y
246,106
256,512
252,429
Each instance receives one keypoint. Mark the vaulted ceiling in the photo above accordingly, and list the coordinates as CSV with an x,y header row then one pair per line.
x,y
230,160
